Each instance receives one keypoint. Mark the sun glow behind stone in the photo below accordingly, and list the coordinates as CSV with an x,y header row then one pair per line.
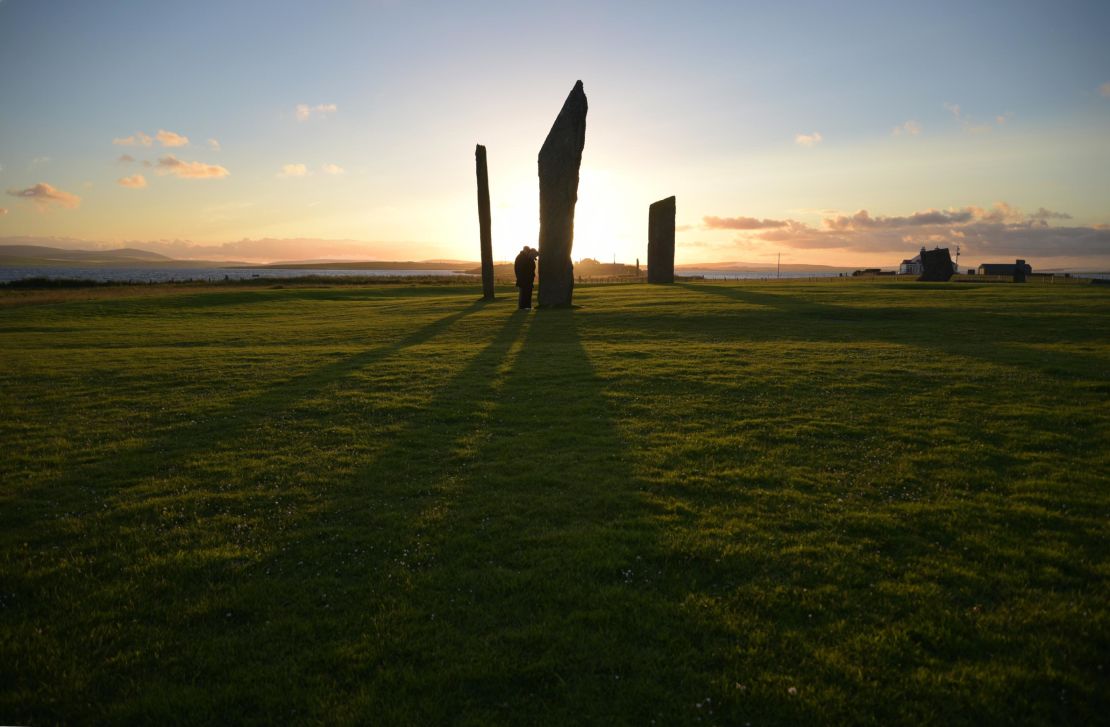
x,y
607,218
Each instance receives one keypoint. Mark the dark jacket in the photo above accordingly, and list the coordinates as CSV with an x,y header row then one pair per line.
x,y
525,269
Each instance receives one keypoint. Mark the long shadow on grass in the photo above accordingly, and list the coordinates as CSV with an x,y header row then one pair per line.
x,y
969,332
497,561
166,450
956,332
206,600
542,589
57,533
278,636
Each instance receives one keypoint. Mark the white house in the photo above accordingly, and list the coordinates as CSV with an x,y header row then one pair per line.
x,y
911,266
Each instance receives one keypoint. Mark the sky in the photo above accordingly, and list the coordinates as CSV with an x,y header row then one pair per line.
x,y
828,133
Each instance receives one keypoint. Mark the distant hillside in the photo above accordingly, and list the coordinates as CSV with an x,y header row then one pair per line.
x,y
365,265
43,256
57,254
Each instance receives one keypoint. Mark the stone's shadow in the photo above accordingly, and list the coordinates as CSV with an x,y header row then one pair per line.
x,y
992,339
542,579
172,447
352,551
282,293
347,534
500,550
786,303
499,557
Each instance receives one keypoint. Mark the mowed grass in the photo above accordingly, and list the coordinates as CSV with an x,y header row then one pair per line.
x,y
771,503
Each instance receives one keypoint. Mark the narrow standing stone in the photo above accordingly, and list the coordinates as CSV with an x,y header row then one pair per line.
x,y
484,222
661,241
559,161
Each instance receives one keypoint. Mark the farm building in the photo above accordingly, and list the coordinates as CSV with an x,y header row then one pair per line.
x,y
1003,268
913,265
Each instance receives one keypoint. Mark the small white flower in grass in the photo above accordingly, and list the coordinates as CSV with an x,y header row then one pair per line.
x,y
792,691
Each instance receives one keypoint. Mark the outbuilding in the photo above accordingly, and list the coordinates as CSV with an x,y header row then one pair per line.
x,y
1007,269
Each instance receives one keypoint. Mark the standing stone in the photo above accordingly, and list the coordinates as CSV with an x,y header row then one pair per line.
x,y
661,241
559,161
484,222
1019,271
936,265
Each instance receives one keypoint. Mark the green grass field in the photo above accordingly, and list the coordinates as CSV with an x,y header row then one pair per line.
x,y
869,503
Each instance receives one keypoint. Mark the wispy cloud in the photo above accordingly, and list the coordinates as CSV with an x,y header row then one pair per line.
x,y
304,112
214,144
911,128
1043,214
741,223
38,162
973,126
333,169
863,220
136,139
3,211
170,164
293,170
1000,230
44,195
1104,89
808,139
125,159
135,181
170,138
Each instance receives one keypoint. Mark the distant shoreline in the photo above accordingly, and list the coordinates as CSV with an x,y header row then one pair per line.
x,y
158,274
373,265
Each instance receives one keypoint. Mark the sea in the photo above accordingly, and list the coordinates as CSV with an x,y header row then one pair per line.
x,y
172,275
177,275
757,275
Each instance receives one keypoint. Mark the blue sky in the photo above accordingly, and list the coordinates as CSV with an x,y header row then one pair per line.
x,y
797,116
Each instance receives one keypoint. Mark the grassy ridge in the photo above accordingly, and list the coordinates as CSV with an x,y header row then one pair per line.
x,y
869,503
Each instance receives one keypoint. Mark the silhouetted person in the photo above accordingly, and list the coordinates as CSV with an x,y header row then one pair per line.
x,y
525,268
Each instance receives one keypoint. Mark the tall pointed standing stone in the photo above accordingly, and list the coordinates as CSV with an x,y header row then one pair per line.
x,y
661,241
484,222
559,161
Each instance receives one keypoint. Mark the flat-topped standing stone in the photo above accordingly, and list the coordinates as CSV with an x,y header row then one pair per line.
x,y
936,265
559,161
484,221
661,241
